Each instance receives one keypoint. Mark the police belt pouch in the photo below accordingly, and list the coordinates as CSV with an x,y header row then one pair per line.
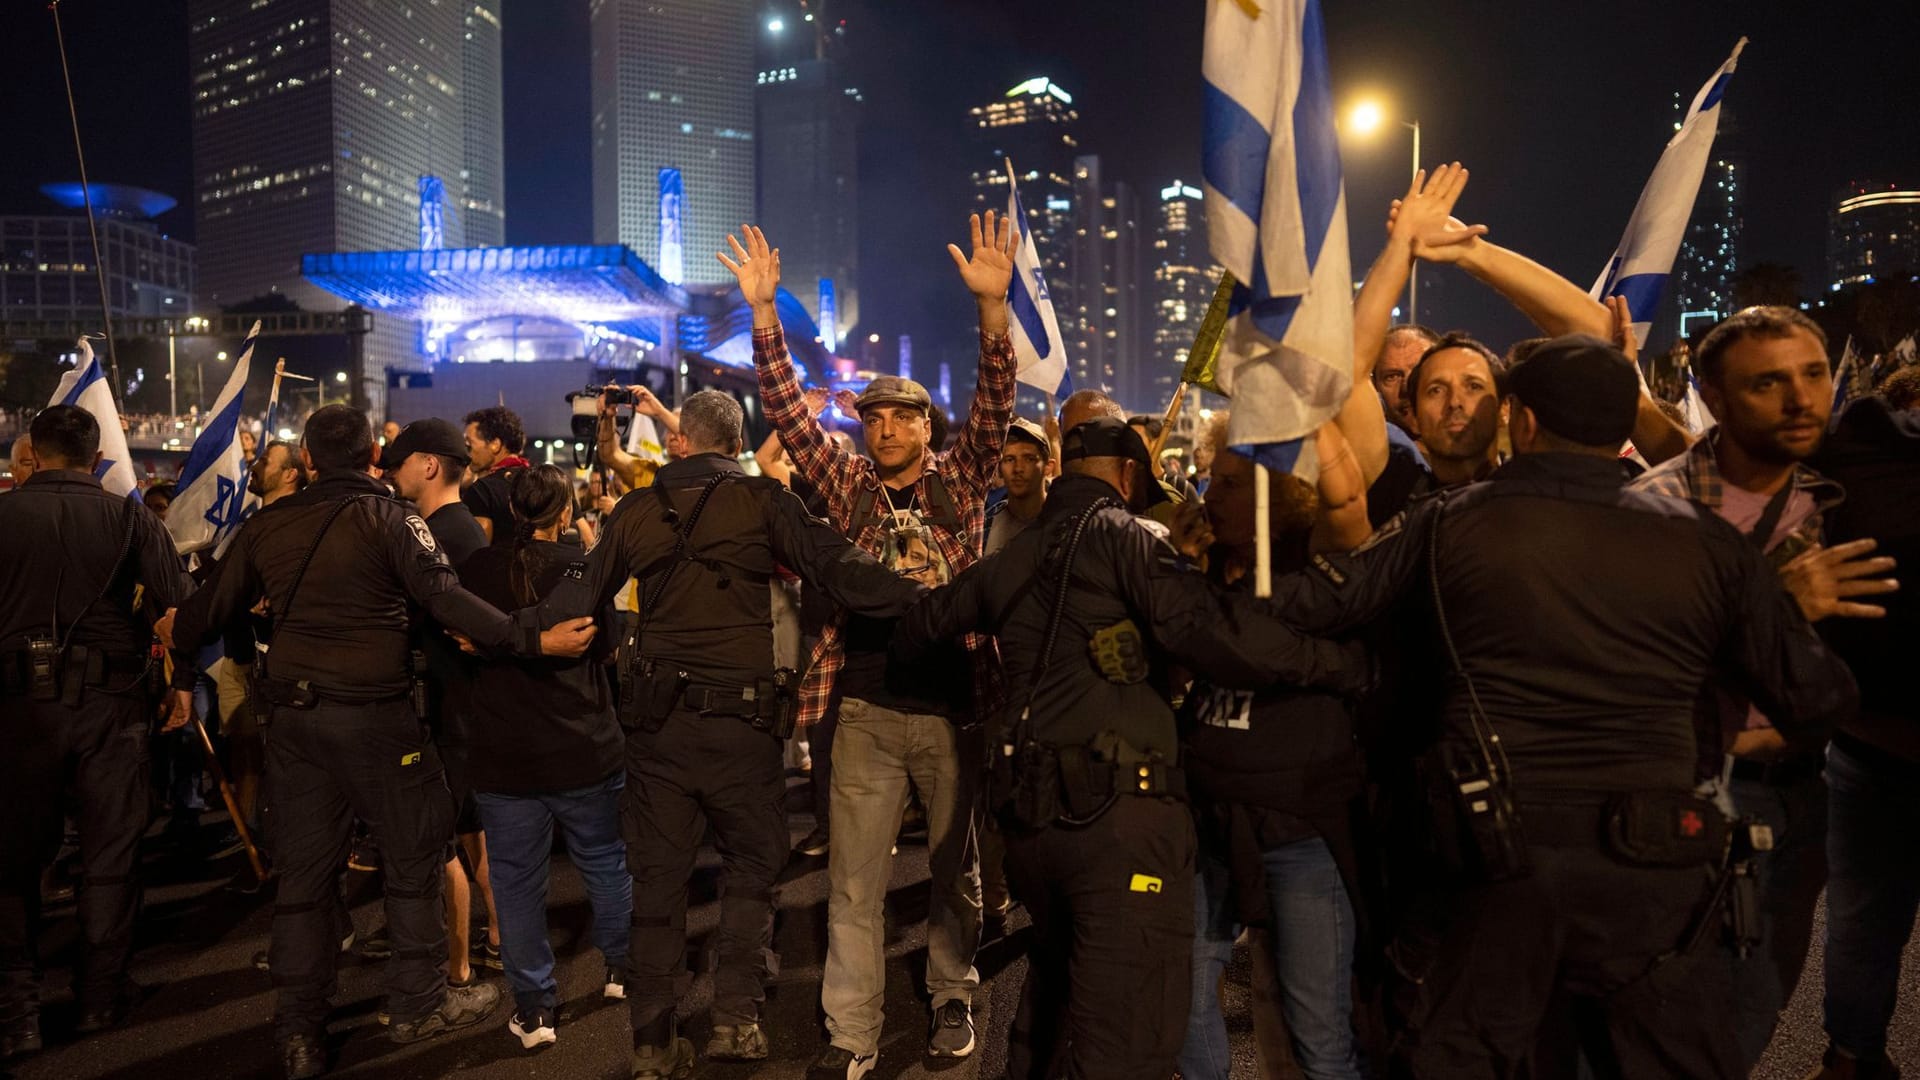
x,y
1665,828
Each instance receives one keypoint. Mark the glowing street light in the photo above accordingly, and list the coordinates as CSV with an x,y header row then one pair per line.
x,y
776,24
1365,118
340,377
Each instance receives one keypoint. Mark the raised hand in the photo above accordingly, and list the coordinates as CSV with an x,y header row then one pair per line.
x,y
756,266
1423,220
817,398
645,403
1825,580
846,401
1623,335
989,271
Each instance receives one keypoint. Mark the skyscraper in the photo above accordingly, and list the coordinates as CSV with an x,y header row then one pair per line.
x,y
673,87
1032,125
1184,277
1103,316
482,189
1874,230
807,116
313,121
1710,251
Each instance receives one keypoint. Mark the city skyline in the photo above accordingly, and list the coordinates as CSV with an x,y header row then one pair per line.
x,y
1545,184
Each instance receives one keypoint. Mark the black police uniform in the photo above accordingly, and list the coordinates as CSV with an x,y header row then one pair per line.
x,y
1108,877
76,702
701,741
1587,617
346,740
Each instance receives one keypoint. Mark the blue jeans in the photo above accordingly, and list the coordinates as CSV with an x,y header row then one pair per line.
x,y
1312,932
1873,894
519,839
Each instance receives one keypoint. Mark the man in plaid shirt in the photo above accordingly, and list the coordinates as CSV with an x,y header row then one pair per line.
x,y
1764,375
924,514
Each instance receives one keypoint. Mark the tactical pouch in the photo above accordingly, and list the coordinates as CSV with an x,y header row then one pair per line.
x,y
1478,826
281,693
656,693
1024,787
1119,653
43,668
1665,828
777,703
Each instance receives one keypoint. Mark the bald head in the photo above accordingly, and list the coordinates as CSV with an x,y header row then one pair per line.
x,y
22,458
1084,405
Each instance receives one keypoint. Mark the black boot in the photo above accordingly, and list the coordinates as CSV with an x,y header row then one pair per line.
x,y
303,1056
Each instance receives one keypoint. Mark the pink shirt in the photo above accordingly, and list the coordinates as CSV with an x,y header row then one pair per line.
x,y
1742,509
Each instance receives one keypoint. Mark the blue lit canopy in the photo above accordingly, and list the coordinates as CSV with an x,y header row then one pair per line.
x,y
114,200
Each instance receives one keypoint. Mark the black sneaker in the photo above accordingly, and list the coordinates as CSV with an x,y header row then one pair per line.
x,y
815,842
101,1017
737,1042
840,1063
303,1057
464,1006
487,956
534,1028
19,1037
952,1035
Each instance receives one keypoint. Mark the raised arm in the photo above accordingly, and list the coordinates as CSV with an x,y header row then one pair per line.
x,y
1655,434
820,459
631,470
988,273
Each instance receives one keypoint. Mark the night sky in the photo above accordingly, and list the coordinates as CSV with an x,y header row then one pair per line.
x,y
1560,110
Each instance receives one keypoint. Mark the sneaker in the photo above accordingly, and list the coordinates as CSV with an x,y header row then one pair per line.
x,y
616,987
815,842
671,1062
737,1042
952,1035
20,1037
487,956
840,1063
534,1029
463,1006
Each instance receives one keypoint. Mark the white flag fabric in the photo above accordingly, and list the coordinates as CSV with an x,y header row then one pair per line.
x,y
643,440
1038,347
1277,220
1693,410
86,386
211,499
1642,263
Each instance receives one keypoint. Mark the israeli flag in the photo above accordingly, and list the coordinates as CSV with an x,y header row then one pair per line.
x,y
1037,345
1693,410
1641,264
211,499
86,386
1277,220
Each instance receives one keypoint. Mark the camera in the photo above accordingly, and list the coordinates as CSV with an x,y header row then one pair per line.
x,y
612,395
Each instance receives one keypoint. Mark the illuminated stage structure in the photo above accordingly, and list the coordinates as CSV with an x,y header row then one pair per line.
x,y
529,325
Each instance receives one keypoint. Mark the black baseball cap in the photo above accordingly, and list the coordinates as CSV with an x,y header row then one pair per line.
x,y
1110,437
430,436
1580,388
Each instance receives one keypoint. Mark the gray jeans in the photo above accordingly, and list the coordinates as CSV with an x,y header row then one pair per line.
x,y
877,753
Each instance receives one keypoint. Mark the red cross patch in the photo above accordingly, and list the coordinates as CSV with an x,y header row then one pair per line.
x,y
1690,823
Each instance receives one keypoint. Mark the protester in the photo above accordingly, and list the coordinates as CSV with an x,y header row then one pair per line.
x,y
922,514
494,439
1023,473
545,751
20,459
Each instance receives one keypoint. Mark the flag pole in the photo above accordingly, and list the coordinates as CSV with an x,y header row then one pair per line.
x,y
273,396
86,198
1262,532
1166,424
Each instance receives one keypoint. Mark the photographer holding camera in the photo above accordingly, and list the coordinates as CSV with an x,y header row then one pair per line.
x,y
1572,860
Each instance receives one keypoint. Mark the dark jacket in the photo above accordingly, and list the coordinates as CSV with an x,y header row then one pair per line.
x,y
1875,455
545,725
713,618
346,631
61,535
1120,572
1588,618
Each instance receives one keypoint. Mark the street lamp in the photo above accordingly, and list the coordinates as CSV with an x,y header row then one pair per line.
x,y
776,24
1365,118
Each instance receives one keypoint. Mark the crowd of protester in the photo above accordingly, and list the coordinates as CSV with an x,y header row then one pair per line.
x,y
1309,796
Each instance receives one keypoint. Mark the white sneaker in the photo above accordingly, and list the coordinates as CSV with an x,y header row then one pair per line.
x,y
839,1063
534,1031
616,988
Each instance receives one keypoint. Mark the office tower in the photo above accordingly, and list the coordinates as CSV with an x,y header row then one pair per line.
x,y
46,259
1103,317
808,116
1184,277
1874,230
1710,251
482,185
1032,125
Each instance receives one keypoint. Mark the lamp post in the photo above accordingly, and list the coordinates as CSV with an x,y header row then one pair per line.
x,y
1366,118
192,323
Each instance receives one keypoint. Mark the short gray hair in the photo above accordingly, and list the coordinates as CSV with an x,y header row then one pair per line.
x,y
711,421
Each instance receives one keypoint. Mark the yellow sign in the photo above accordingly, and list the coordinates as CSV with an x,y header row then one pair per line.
x,y
411,759
1144,883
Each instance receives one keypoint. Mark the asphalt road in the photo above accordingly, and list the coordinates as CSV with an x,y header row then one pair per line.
x,y
206,1011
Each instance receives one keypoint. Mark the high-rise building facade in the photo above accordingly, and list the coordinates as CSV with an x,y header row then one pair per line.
x,y
807,132
1102,316
673,87
1184,277
313,122
483,202
46,260
1710,250
1873,231
1033,126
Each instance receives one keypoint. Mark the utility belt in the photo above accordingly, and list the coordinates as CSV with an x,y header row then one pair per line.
x,y
654,689
270,693
1782,773
45,672
1034,784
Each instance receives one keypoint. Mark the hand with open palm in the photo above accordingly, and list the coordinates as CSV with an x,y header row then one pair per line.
x,y
989,272
757,268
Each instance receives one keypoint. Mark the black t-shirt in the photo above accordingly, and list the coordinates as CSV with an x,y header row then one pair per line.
x,y
490,497
941,683
457,530
450,672
1405,476
542,725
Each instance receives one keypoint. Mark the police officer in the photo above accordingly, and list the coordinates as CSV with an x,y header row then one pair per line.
x,y
1580,621
1090,607
338,564
75,700
707,714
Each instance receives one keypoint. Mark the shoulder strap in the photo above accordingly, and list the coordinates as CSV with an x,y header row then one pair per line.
x,y
1485,737
126,549
1762,530
1022,728
278,617
683,533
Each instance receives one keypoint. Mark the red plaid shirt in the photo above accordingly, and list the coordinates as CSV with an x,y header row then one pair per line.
x,y
967,471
